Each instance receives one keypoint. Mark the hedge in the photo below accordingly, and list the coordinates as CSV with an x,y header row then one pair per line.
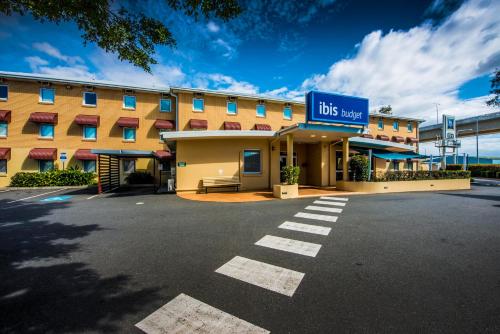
x,y
484,170
359,168
67,177
420,175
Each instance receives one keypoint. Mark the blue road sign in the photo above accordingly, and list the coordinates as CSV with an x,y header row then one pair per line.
x,y
335,108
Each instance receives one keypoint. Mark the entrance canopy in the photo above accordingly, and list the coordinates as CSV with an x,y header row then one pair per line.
x,y
387,155
380,144
313,133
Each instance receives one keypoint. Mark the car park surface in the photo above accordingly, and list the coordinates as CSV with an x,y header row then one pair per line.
x,y
414,262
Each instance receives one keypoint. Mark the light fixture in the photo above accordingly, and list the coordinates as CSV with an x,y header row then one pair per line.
x,y
323,136
313,135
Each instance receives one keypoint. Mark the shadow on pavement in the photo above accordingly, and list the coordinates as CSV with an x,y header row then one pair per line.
x,y
42,290
485,197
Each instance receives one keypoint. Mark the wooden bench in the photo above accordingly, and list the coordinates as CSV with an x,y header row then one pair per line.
x,y
221,182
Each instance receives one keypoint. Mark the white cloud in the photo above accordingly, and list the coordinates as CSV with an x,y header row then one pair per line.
x,y
219,81
212,26
35,62
412,70
54,52
224,48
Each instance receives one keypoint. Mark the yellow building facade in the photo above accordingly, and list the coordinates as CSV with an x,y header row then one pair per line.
x,y
205,133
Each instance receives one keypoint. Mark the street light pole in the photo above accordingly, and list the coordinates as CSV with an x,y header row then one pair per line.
x,y
477,140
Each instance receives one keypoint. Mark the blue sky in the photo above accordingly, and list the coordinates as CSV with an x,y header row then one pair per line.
x,y
409,54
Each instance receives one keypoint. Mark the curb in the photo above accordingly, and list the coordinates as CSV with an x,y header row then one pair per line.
x,y
51,187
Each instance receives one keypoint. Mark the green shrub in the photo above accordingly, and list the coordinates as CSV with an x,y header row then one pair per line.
x,y
421,175
69,177
497,175
359,167
476,169
140,178
454,167
291,174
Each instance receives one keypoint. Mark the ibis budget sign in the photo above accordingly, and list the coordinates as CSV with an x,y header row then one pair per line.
x,y
335,108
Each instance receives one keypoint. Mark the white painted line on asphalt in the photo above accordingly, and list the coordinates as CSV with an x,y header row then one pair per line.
x,y
289,245
93,196
139,203
330,203
22,199
4,191
345,199
267,276
316,216
322,208
307,228
184,314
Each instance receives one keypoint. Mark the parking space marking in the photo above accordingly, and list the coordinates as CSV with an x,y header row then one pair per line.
x,y
335,198
93,196
330,203
307,228
289,245
23,199
139,203
4,191
322,208
315,216
184,314
264,275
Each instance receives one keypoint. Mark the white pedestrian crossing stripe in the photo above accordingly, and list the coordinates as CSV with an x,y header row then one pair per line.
x,y
307,228
322,208
267,276
330,203
185,314
289,245
315,216
335,198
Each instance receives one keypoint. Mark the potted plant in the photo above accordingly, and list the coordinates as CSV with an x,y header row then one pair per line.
x,y
290,187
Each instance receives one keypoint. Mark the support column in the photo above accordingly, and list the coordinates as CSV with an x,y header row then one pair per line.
x,y
345,158
289,149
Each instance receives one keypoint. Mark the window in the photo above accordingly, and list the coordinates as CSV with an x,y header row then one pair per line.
x,y
165,105
45,165
395,165
46,131
47,95
395,126
251,162
232,108
3,166
4,130
261,110
89,166
380,124
129,102
128,166
287,112
198,105
89,132
129,134
89,99
410,127
4,92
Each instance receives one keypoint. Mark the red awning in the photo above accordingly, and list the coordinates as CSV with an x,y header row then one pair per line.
x,y
263,127
4,153
162,154
44,117
5,116
128,122
164,124
85,154
398,139
383,137
366,135
43,154
198,124
411,140
232,126
87,120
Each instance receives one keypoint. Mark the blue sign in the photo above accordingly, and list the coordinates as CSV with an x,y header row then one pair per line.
x,y
62,156
335,108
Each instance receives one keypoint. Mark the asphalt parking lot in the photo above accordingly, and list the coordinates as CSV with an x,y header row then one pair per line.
x,y
415,262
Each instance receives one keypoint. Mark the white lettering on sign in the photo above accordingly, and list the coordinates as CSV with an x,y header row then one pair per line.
x,y
325,109
351,114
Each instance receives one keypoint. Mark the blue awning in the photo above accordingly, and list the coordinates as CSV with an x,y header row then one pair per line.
x,y
386,155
